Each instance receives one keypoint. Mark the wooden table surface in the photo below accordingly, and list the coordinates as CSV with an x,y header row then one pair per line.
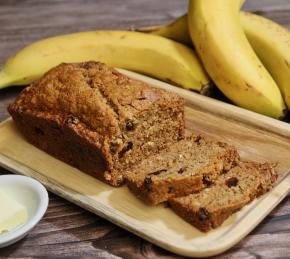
x,y
67,230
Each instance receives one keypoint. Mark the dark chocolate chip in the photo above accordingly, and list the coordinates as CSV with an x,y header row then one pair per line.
x,y
39,131
113,149
222,144
120,180
203,214
232,181
71,120
90,82
181,170
130,125
126,149
170,189
206,180
197,139
158,172
179,138
130,145
148,183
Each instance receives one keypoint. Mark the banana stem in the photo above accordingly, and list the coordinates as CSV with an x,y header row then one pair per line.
x,y
151,29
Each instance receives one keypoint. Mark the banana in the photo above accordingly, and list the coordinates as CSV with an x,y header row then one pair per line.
x,y
271,43
149,54
176,30
229,59
269,40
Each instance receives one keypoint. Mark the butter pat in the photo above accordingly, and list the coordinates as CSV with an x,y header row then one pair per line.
x,y
12,214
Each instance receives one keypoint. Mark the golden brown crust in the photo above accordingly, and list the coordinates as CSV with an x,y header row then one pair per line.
x,y
124,119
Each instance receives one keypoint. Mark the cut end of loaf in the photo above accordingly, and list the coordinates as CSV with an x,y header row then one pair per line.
x,y
209,208
185,167
100,115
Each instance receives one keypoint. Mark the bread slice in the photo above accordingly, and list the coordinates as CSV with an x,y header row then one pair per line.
x,y
183,168
212,206
97,119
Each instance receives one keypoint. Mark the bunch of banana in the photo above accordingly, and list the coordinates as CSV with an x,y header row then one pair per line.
x,y
247,56
271,43
149,54
218,37
217,32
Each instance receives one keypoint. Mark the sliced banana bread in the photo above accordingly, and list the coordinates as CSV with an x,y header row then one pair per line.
x,y
212,206
183,168
97,119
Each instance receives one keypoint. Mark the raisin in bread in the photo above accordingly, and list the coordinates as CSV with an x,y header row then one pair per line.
x,y
209,208
97,119
183,168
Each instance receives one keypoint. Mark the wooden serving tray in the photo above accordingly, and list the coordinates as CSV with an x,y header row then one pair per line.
x,y
257,138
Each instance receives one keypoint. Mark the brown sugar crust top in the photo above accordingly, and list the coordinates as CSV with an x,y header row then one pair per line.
x,y
99,96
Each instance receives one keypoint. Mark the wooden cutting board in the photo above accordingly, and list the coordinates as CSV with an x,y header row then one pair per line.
x,y
257,138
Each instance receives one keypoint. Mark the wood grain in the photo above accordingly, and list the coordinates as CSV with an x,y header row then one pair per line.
x,y
24,21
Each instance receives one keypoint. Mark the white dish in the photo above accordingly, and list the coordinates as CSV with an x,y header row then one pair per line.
x,y
31,194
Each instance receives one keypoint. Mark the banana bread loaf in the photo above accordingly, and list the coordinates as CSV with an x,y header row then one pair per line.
x,y
182,168
97,119
212,206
